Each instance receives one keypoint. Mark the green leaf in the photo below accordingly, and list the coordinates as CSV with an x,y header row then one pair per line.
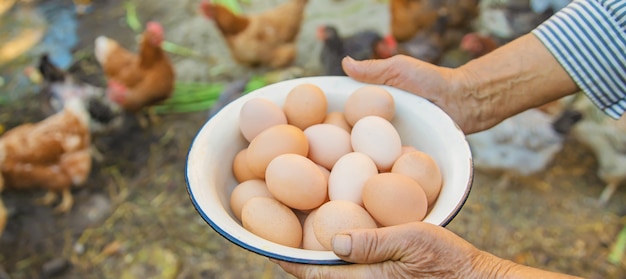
x,y
178,49
191,97
255,83
617,253
132,20
232,5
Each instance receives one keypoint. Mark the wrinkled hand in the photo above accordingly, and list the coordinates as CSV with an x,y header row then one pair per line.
x,y
443,86
481,93
413,250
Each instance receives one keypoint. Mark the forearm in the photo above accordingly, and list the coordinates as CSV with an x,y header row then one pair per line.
x,y
513,78
489,266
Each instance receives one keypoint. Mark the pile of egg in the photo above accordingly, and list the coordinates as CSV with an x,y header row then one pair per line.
x,y
308,174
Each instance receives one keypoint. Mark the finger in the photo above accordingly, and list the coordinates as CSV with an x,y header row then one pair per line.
x,y
370,246
397,71
369,71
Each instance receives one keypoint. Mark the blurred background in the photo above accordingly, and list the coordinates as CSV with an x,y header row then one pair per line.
x,y
542,196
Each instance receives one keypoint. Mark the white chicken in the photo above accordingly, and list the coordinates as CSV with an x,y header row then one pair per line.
x,y
606,138
521,145
60,86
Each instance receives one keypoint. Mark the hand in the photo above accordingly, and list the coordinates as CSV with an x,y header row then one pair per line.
x,y
440,85
480,94
413,250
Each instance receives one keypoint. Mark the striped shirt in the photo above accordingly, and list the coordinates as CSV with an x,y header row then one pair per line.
x,y
588,38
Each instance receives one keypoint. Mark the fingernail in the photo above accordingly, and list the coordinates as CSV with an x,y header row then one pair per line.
x,y
342,244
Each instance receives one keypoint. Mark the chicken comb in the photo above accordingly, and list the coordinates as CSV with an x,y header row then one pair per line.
x,y
155,28
391,41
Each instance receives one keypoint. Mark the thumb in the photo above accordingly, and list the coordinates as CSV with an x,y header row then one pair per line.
x,y
369,71
369,246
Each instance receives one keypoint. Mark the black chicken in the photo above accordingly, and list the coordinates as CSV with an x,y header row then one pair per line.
x,y
360,46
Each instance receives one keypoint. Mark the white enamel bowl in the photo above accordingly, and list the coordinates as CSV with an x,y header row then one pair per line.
x,y
419,122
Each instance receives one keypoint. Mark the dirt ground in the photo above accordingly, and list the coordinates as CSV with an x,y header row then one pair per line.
x,y
134,218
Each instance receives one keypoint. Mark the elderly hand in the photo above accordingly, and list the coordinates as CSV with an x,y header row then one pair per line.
x,y
413,250
481,93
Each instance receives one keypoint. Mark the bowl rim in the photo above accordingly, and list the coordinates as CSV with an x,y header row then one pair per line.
x,y
337,260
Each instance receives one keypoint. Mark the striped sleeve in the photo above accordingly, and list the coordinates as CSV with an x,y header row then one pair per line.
x,y
588,38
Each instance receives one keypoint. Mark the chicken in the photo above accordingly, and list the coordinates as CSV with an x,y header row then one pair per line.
x,y
137,81
521,145
60,86
361,45
409,17
4,215
478,45
428,44
52,154
265,39
472,45
606,138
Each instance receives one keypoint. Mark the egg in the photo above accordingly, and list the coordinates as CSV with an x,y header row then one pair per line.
x,y
348,176
327,143
369,100
245,191
309,240
272,220
241,169
296,181
258,114
394,199
422,168
377,138
338,119
305,105
274,141
336,216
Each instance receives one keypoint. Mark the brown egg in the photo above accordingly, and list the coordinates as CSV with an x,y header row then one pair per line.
x,y
369,100
309,240
422,168
274,141
296,181
272,220
336,216
327,143
339,119
258,114
244,192
241,170
394,199
305,105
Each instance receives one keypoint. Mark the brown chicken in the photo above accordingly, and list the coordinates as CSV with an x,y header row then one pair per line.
x,y
427,44
136,81
52,154
408,17
263,39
